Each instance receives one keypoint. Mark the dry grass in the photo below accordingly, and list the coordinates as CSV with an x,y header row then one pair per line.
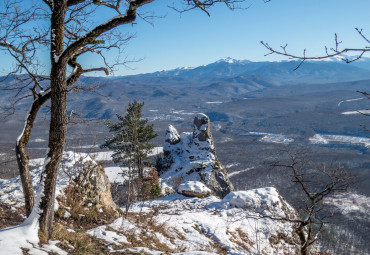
x,y
78,243
83,216
10,217
241,239
148,230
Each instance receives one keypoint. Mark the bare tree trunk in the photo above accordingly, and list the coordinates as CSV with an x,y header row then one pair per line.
x,y
58,121
57,136
21,155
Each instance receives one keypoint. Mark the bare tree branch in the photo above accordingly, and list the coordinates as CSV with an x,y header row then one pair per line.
x,y
335,51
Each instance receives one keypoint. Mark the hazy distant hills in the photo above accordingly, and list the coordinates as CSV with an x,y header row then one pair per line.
x,y
204,87
226,80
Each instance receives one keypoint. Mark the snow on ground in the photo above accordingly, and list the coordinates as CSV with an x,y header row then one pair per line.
x,y
166,117
11,189
38,140
36,162
225,140
367,112
344,139
25,235
240,171
102,155
91,146
182,112
232,165
97,156
214,102
116,174
351,203
193,186
349,100
272,138
156,151
194,225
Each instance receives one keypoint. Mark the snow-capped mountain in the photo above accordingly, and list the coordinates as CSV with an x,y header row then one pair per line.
x,y
309,72
225,67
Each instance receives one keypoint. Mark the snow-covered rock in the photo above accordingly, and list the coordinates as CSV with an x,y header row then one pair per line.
x,y
265,201
194,189
232,225
191,156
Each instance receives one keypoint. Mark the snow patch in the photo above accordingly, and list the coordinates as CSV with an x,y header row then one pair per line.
x,y
240,171
351,204
193,186
116,174
38,140
366,112
214,102
349,100
272,138
343,139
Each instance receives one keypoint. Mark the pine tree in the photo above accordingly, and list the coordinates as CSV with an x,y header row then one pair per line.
x,y
131,139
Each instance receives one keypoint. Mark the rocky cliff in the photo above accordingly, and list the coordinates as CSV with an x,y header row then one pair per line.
x,y
190,165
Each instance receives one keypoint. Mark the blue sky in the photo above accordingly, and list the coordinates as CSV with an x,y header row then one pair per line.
x,y
193,38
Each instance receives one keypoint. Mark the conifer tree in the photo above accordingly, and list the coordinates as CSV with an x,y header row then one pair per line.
x,y
131,139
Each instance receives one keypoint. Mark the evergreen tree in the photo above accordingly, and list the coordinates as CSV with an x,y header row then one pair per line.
x,y
131,140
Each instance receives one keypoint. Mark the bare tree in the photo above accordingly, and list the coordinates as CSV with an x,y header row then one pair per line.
x,y
66,29
335,51
315,184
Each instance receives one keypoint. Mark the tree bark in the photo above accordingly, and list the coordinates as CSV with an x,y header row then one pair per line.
x,y
21,155
58,120
57,136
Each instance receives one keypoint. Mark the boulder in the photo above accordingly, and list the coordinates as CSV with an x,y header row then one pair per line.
x,y
91,189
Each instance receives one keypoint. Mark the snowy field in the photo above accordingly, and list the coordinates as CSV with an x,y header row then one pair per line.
x,y
97,156
240,171
342,139
366,112
349,100
350,204
272,138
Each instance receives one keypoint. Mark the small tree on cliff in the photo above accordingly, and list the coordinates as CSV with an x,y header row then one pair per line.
x,y
131,139
131,144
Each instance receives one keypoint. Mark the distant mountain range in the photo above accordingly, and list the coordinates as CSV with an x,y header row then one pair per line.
x,y
279,72
225,80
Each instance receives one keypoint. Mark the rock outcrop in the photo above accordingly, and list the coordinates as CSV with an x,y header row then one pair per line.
x,y
190,161
88,197
95,186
